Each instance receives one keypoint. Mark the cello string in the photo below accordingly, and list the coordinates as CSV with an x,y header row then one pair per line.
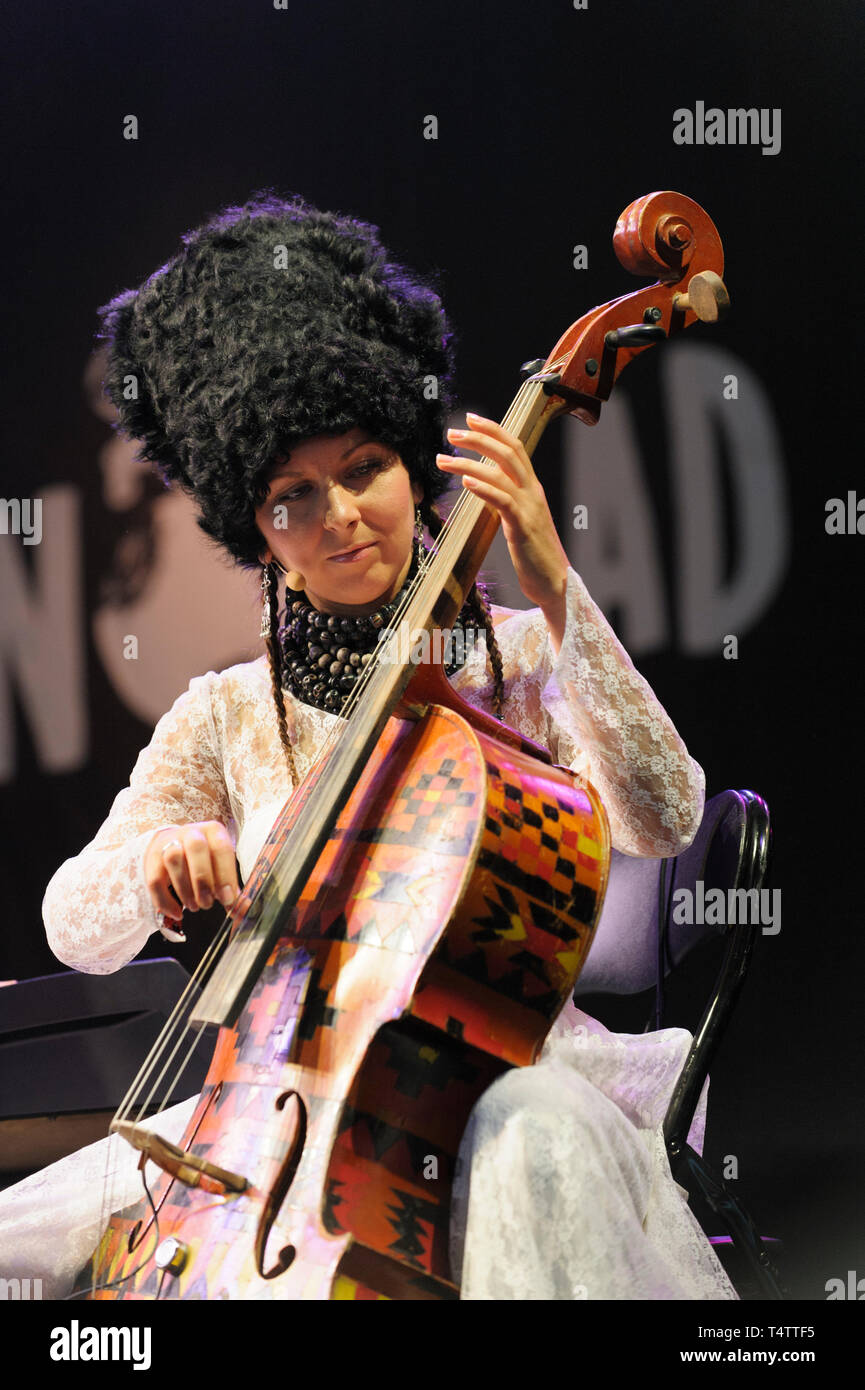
x,y
185,999
457,526
108,1184
456,529
193,1036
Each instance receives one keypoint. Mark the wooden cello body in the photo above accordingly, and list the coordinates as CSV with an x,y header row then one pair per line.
x,y
443,931
413,926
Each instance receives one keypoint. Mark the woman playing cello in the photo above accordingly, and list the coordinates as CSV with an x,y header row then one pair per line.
x,y
278,370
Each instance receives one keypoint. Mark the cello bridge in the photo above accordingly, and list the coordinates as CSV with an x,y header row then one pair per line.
x,y
188,1168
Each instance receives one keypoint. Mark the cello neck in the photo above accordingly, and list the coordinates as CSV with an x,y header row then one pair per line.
x,y
462,545
435,599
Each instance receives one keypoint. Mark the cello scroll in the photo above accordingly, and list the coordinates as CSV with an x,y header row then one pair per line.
x,y
665,234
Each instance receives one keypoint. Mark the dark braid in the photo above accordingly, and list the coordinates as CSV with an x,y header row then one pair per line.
x,y
477,602
274,656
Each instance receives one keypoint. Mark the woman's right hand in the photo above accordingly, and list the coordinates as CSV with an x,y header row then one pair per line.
x,y
197,862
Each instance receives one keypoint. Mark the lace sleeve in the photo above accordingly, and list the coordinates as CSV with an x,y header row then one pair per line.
x,y
600,717
97,910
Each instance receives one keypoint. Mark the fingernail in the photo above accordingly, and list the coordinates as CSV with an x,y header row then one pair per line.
x,y
226,895
475,419
206,899
457,434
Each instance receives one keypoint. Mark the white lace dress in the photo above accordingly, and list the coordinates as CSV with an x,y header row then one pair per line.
x,y
563,1189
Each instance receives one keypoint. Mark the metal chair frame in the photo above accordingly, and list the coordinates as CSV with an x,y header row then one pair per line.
x,y
688,1167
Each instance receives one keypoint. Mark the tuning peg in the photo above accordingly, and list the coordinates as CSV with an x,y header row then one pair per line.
x,y
549,380
634,335
707,297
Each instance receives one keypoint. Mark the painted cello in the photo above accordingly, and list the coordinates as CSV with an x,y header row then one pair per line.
x,y
414,924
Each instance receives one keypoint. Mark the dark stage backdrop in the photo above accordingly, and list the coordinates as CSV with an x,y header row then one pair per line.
x,y
488,141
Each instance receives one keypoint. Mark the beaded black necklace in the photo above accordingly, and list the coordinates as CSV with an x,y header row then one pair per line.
x,y
324,654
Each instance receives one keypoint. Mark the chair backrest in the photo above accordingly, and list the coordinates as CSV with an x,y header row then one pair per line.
x,y
637,941
74,1042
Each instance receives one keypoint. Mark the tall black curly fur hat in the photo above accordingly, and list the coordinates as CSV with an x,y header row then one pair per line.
x,y
276,322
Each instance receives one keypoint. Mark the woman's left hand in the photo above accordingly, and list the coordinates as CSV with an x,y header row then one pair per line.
x,y
510,486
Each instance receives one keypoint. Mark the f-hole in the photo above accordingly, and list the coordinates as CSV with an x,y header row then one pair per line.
x,y
279,1191
142,1227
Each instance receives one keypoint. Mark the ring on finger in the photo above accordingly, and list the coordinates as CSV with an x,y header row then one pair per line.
x,y
170,845
169,933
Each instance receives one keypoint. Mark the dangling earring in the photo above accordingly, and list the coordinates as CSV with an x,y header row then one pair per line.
x,y
418,525
266,608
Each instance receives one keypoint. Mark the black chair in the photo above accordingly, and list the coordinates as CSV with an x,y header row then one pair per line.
x,y
70,1046
638,944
